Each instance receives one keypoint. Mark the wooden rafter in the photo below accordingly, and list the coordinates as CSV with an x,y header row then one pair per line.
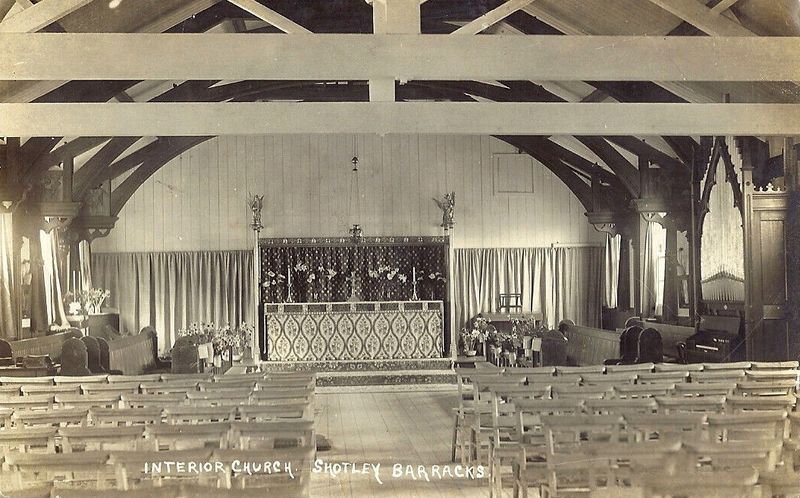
x,y
87,177
269,16
723,6
40,15
492,17
5,7
340,57
703,18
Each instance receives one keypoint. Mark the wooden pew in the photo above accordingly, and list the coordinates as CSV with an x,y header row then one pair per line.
x,y
37,346
673,337
589,346
130,355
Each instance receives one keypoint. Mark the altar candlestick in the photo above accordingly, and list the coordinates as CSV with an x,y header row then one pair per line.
x,y
414,273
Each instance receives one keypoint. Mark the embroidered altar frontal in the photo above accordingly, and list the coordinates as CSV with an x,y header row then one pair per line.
x,y
354,331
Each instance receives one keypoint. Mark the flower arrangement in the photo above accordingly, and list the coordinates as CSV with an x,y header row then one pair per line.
x,y
436,277
89,300
273,279
387,278
223,338
470,339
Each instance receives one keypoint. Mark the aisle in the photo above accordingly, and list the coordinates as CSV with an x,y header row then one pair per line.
x,y
388,428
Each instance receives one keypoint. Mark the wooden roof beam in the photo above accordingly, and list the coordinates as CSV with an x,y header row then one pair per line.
x,y
340,57
40,15
270,16
703,18
492,17
483,118
5,7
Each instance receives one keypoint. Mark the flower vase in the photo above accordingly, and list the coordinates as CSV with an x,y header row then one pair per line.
x,y
471,352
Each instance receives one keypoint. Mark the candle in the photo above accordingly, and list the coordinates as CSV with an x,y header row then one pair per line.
x,y
414,274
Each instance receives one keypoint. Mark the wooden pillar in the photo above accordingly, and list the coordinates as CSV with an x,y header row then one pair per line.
x,y
670,309
792,178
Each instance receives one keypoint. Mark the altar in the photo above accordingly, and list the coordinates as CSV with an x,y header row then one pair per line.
x,y
354,330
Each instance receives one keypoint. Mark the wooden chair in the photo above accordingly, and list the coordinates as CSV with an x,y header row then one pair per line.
x,y
643,390
756,425
620,406
590,369
705,389
737,403
21,381
70,468
199,414
711,484
764,455
678,367
28,439
125,416
11,391
161,437
582,392
61,417
117,388
674,377
186,377
271,435
169,387
152,400
34,389
774,365
605,468
778,387
509,303
717,376
100,438
86,401
32,402
686,404
137,379
536,371
80,379
146,468
634,368
228,397
272,413
530,469
464,412
739,365
673,426
290,478
769,375
5,416
609,379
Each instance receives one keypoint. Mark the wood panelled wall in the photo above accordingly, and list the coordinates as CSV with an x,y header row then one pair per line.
x,y
199,200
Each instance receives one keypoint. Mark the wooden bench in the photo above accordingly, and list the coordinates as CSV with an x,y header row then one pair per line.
x,y
37,346
129,355
587,345
673,337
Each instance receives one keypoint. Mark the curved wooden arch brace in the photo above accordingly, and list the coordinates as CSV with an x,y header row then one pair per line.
x,y
176,147
88,175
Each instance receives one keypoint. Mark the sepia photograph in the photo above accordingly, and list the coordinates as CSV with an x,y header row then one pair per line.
x,y
400,248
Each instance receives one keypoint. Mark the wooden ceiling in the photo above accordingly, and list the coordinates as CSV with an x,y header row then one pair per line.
x,y
584,163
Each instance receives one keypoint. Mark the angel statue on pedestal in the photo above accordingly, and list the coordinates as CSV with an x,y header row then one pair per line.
x,y
447,204
256,203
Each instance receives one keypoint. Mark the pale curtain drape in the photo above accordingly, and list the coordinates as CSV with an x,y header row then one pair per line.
x,y
560,282
51,273
8,305
170,290
611,270
652,292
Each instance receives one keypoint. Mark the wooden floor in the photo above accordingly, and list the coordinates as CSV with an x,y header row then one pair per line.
x,y
407,428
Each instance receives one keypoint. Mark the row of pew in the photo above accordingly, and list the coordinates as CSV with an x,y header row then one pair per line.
x,y
240,434
727,429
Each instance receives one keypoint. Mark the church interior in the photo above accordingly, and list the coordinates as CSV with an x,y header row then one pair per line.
x,y
434,248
